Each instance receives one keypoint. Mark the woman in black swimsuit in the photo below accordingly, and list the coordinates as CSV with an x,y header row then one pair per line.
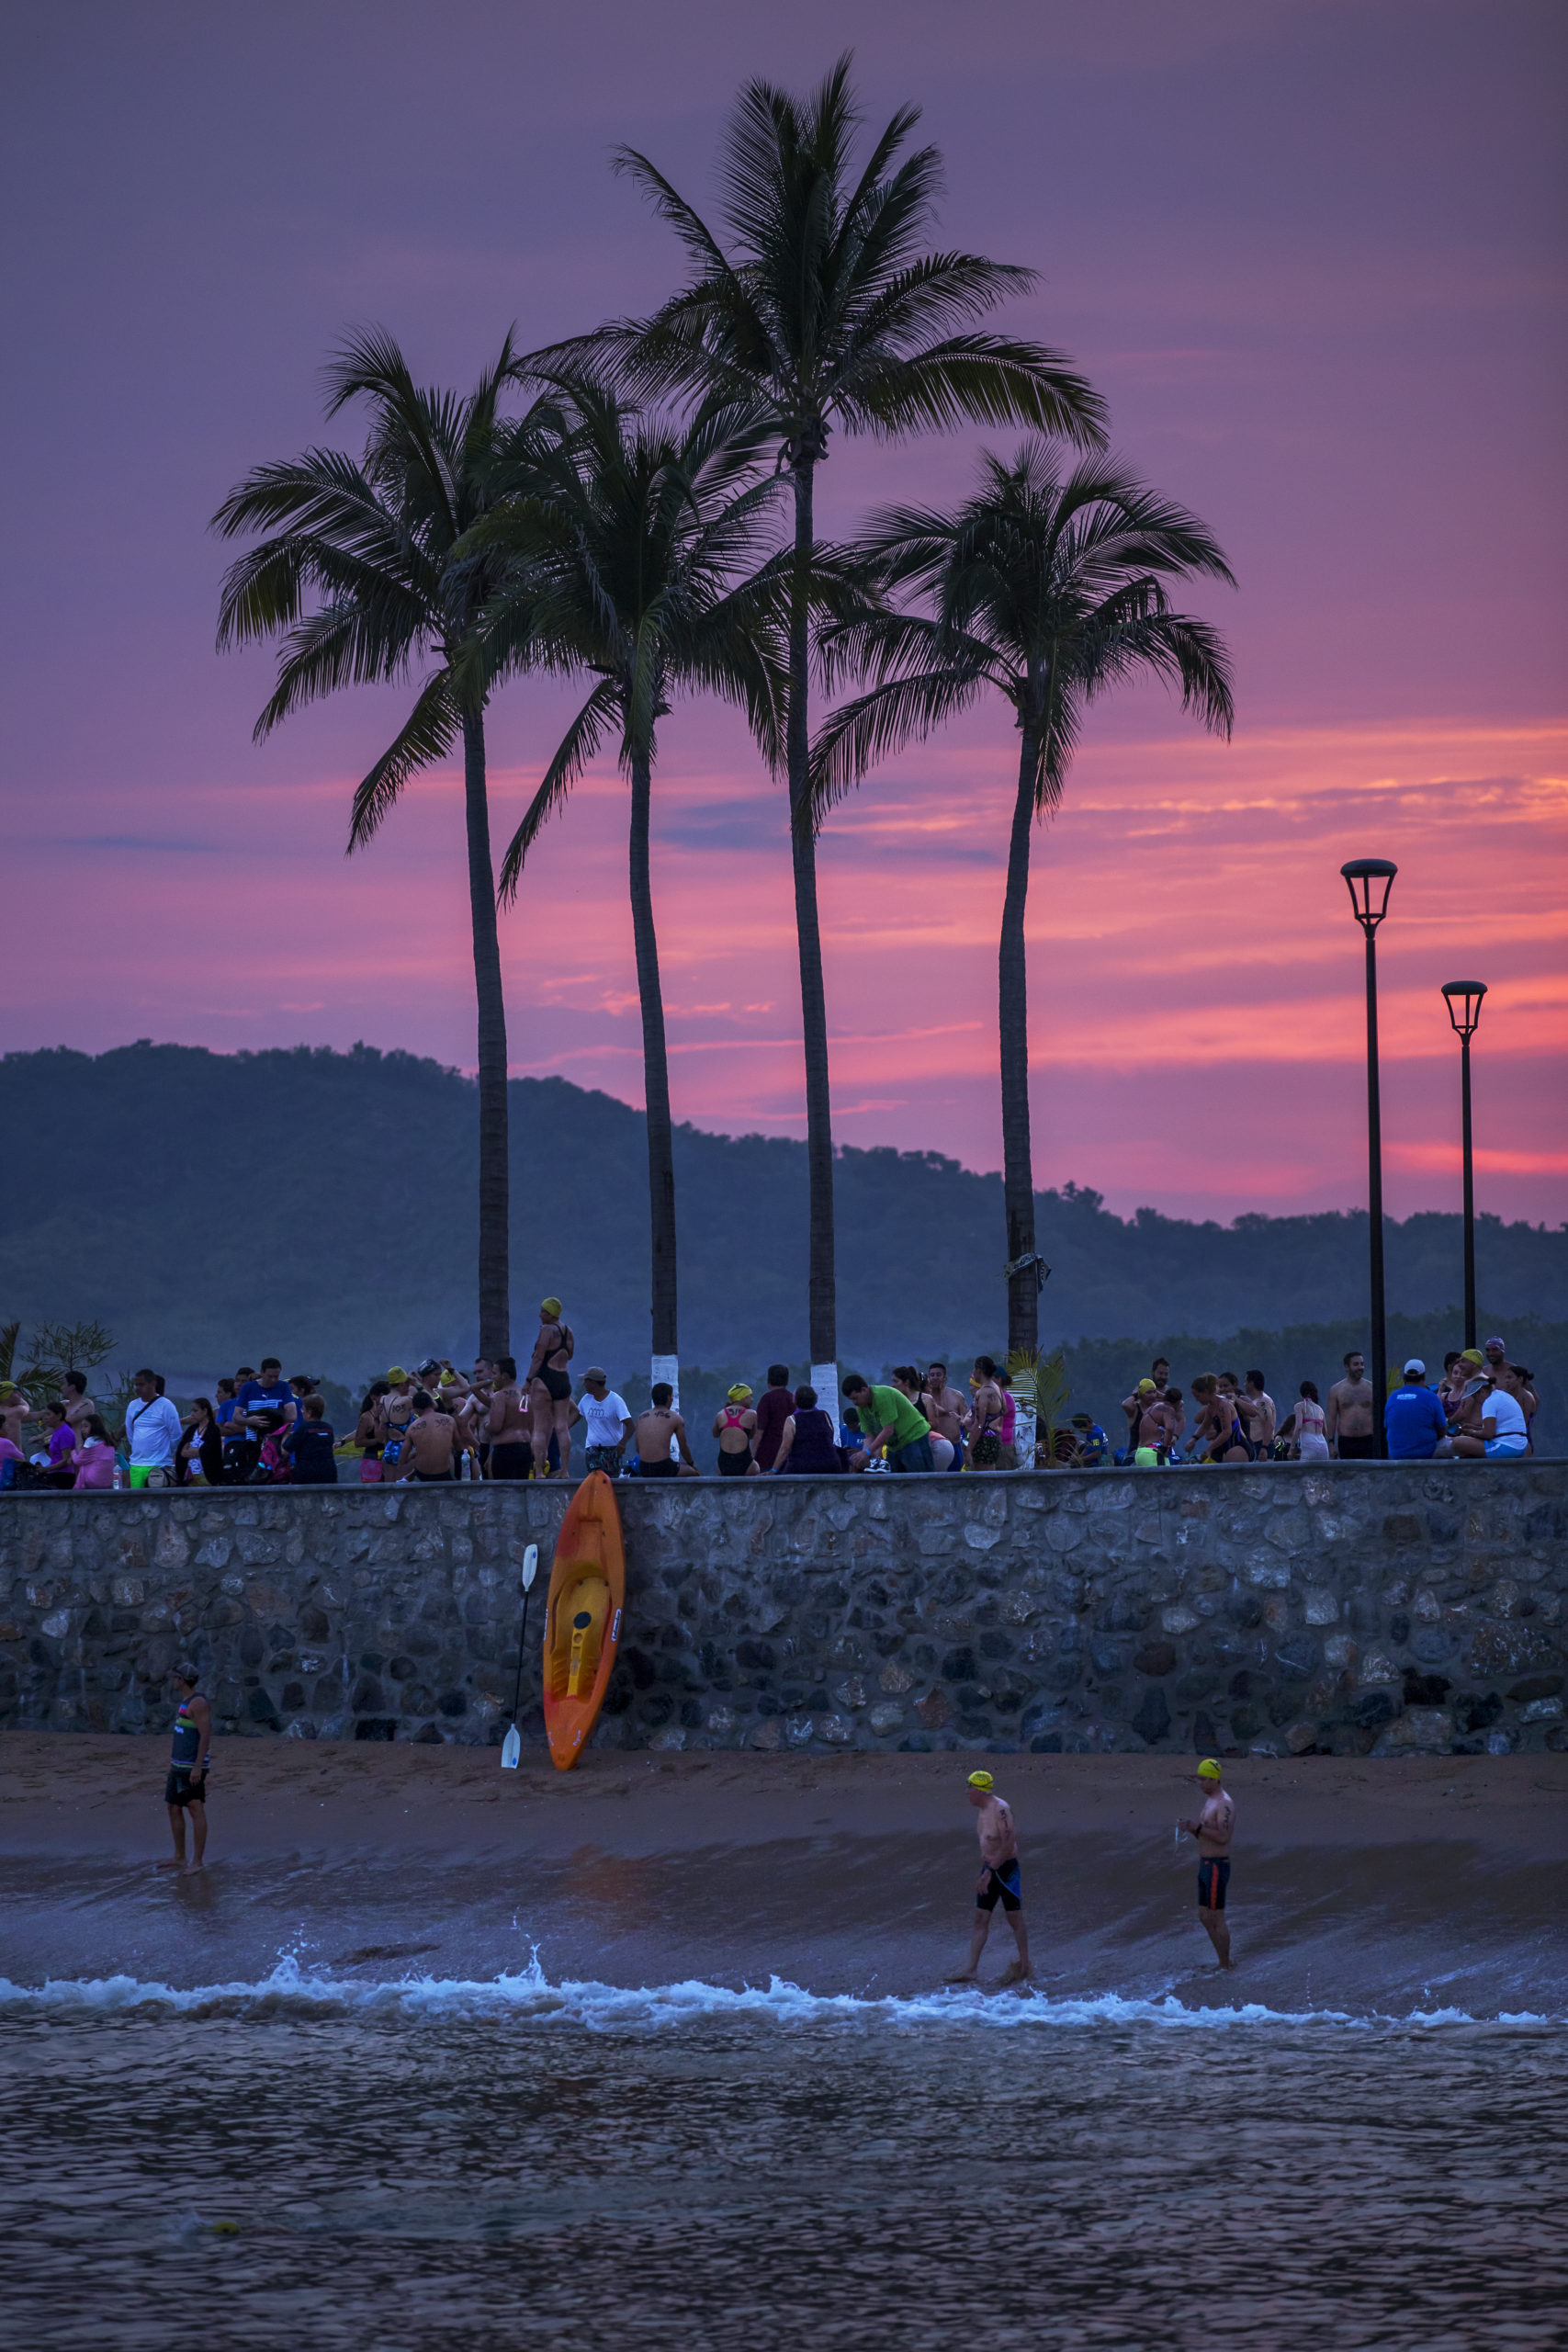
x,y
550,1390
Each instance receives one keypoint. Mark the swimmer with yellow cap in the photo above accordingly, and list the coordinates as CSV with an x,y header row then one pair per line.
x,y
1214,1829
549,1392
735,1426
1000,1880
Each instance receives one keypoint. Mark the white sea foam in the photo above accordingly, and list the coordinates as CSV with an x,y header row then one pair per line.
x,y
529,1998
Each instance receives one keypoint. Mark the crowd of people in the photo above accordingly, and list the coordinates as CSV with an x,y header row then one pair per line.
x,y
437,1424
1482,1408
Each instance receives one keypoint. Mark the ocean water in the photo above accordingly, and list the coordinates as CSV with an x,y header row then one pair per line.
x,y
389,2107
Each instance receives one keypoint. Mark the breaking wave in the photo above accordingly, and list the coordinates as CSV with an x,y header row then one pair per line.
x,y
530,1998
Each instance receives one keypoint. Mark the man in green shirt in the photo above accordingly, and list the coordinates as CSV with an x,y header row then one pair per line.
x,y
890,1418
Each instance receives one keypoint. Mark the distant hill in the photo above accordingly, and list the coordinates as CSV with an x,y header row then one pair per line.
x,y
320,1205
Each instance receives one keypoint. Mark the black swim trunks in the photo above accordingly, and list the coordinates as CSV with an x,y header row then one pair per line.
x,y
656,1470
513,1460
1001,1885
182,1788
1213,1877
1358,1448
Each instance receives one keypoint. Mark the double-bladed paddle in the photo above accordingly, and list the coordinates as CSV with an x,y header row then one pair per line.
x,y
512,1748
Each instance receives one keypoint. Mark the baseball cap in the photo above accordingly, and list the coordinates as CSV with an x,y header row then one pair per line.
x,y
1414,1363
596,1371
1210,1770
981,1781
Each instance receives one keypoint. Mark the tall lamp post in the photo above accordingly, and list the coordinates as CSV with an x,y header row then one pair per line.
x,y
1464,998
1369,881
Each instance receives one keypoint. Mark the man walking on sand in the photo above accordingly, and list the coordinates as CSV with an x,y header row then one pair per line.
x,y
1214,1829
999,1881
189,1758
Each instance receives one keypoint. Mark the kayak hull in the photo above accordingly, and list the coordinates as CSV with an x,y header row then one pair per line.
x,y
583,1617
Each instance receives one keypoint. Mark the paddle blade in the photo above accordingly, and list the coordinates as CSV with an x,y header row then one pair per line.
x,y
530,1566
511,1749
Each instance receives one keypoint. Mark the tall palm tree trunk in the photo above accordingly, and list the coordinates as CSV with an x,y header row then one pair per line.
x,y
821,1306
656,1069
1012,979
495,1287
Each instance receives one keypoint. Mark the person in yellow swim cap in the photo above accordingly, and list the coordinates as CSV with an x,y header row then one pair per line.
x,y
1214,1829
549,1392
1000,1880
735,1426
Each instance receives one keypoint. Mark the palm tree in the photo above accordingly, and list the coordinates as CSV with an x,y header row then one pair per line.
x,y
820,309
1049,590
629,552
370,546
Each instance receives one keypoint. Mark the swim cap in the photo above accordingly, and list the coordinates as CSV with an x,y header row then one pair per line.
x,y
1473,1355
981,1781
1145,1384
397,1374
739,1393
1209,1770
550,1309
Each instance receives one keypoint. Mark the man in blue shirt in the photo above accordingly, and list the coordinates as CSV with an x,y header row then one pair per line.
x,y
1414,1418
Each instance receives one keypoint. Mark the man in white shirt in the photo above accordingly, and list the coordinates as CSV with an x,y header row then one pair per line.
x,y
151,1434
606,1422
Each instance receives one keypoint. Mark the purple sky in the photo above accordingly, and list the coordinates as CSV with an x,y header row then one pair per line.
x,y
1314,256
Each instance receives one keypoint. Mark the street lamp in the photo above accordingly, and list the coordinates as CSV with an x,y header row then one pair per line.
x,y
1464,998
1369,881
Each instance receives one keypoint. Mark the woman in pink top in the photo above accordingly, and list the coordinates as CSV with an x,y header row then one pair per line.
x,y
95,1456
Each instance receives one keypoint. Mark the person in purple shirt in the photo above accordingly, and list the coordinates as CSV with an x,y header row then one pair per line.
x,y
1414,1418
774,1409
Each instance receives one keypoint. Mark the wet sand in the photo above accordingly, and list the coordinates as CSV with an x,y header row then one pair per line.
x,y
102,1794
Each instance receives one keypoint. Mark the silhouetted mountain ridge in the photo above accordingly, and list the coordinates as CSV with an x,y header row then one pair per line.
x,y
320,1203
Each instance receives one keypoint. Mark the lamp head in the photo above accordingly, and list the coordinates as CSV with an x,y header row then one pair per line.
x,y
1464,998
1369,881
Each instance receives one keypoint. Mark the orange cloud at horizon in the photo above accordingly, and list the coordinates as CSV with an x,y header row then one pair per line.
x,y
1196,978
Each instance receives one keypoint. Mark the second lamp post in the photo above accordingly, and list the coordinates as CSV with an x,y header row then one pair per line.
x,y
1464,998
1369,881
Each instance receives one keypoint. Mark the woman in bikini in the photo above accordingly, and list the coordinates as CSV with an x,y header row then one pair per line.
x,y
1217,1434
550,1390
735,1426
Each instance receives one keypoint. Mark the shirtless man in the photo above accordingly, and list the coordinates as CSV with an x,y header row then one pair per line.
x,y
999,1881
429,1443
653,1434
550,1390
1214,1829
507,1424
1265,1422
947,1410
79,1407
1159,1423
1348,1413
986,1415
15,1408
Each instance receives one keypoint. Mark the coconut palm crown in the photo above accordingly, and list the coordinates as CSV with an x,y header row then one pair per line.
x,y
816,305
1047,587
360,579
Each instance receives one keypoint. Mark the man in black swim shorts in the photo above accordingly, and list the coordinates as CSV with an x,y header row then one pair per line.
x,y
658,1430
1214,1829
1000,1881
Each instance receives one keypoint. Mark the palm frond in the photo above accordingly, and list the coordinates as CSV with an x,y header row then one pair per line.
x,y
577,747
426,737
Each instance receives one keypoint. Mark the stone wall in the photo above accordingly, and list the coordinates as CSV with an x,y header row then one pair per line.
x,y
1358,1607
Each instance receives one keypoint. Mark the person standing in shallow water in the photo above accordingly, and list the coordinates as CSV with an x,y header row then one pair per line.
x,y
1000,1881
1214,1829
191,1756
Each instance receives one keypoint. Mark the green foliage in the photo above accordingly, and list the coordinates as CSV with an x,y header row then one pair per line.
x,y
1041,1381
